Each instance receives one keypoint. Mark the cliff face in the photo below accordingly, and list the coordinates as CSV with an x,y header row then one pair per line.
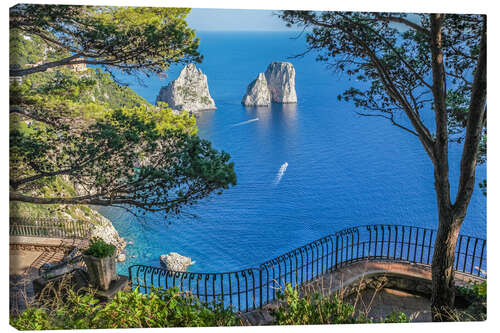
x,y
188,92
102,227
277,85
280,78
105,230
257,92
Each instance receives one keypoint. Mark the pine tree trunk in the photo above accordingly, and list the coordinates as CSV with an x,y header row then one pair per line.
x,y
443,283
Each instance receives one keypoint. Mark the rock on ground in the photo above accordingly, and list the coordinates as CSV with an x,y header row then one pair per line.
x,y
188,92
175,262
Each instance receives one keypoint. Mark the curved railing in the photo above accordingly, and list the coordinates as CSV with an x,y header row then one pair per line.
x,y
251,288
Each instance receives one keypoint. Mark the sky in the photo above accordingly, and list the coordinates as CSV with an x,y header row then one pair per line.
x,y
204,19
215,19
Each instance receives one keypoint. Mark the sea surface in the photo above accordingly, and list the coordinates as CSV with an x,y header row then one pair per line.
x,y
303,170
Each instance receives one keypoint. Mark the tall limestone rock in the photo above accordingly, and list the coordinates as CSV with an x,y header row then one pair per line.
x,y
257,92
280,78
277,84
188,92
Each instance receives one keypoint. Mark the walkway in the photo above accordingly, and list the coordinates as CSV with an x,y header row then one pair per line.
x,y
27,255
394,282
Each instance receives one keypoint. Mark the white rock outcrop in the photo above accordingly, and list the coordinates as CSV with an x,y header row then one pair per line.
x,y
175,262
188,92
102,227
276,85
105,230
280,78
257,92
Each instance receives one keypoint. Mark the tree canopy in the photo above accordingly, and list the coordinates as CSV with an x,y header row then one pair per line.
x,y
80,127
391,52
131,39
426,73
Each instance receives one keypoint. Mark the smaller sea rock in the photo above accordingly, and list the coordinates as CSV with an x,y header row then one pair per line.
x,y
121,257
175,262
257,93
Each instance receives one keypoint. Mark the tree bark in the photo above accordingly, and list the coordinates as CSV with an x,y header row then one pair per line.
x,y
443,276
451,216
46,66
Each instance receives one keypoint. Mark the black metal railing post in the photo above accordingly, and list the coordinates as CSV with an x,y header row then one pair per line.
x,y
336,250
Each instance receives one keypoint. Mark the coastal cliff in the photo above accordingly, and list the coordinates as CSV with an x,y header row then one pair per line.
x,y
104,229
189,91
276,85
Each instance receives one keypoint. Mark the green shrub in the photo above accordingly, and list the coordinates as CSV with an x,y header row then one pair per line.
x,y
32,319
313,309
475,295
396,317
162,308
474,291
100,249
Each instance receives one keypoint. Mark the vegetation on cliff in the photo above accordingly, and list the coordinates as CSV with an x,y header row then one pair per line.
x,y
78,138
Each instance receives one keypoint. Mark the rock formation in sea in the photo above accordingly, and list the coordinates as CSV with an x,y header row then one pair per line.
x,y
280,78
257,92
276,85
188,92
175,262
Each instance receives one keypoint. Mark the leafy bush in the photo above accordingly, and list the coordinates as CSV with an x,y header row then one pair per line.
x,y
100,249
475,295
313,309
474,291
32,319
396,317
162,308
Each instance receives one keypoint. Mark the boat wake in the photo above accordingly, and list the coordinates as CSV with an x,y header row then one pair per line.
x,y
281,172
245,122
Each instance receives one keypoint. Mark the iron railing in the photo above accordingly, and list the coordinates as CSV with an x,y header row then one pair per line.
x,y
49,227
250,288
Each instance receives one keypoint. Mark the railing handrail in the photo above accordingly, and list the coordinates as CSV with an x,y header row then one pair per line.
x,y
49,227
252,287
270,261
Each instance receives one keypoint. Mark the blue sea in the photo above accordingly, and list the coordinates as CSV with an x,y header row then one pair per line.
x,y
342,169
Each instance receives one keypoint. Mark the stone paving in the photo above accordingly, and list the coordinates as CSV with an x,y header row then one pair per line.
x,y
402,286
378,304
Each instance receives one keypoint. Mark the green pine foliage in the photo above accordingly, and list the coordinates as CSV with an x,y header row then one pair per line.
x,y
131,39
75,105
